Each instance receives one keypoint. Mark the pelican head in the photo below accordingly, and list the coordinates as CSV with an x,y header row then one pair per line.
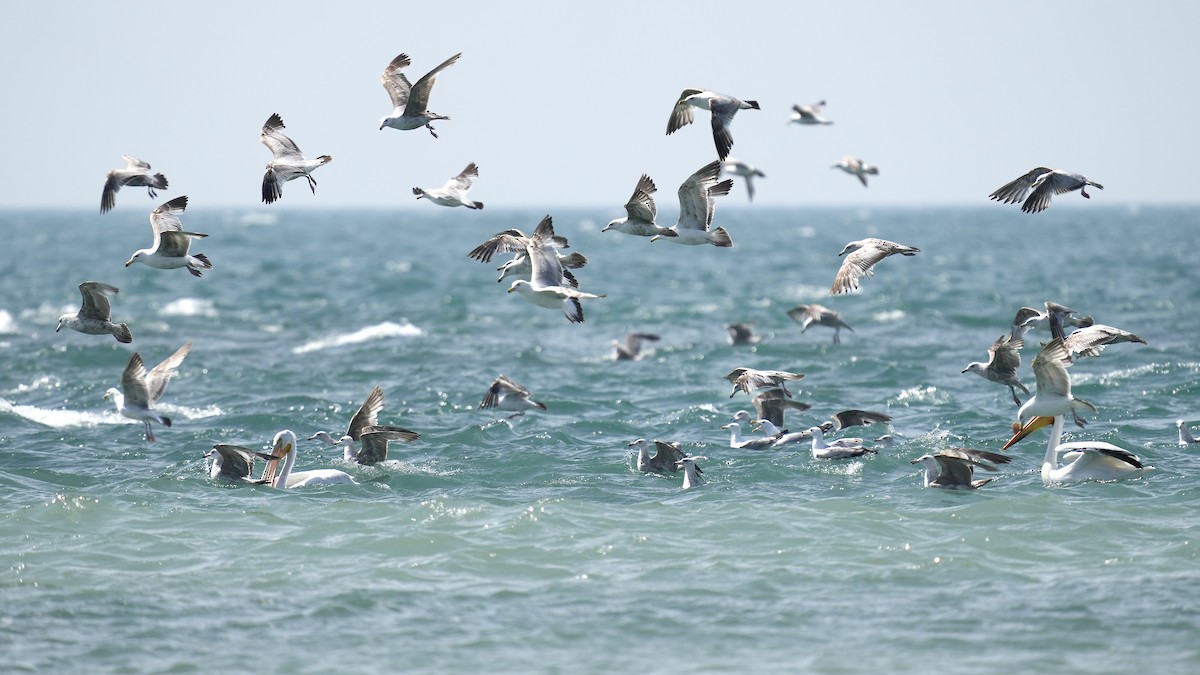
x,y
283,443
1030,427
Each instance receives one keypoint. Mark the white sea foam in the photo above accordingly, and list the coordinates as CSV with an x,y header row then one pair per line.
x,y
387,329
61,418
8,325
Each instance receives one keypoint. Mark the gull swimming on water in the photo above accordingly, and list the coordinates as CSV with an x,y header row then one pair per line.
x,y
1004,358
631,349
505,394
136,174
1185,434
1044,183
95,315
953,468
819,315
779,437
691,472
864,255
696,205
842,448
365,427
140,390
739,168
288,163
722,107
454,192
808,114
171,242
640,213
410,101
665,457
284,449
234,463
856,167
736,441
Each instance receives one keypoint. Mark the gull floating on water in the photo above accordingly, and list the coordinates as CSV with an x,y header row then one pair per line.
x,y
864,254
736,440
696,206
365,427
886,441
722,107
1185,434
454,192
284,449
410,101
779,437
504,394
631,349
856,167
739,168
1044,183
841,448
819,315
665,457
140,390
95,315
640,213
234,463
808,114
288,163
691,471
742,334
1004,358
171,242
136,174
953,468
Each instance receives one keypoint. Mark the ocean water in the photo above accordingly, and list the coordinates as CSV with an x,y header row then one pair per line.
x,y
530,544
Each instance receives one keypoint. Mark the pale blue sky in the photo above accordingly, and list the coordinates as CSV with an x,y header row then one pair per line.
x,y
566,104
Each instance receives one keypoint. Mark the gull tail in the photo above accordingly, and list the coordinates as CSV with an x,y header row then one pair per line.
x,y
721,239
573,310
752,104
418,192
166,421
325,159
478,206
122,333
159,182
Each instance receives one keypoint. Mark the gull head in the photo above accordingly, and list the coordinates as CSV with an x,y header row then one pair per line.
x,y
520,286
324,437
136,257
111,393
851,247
612,224
975,367
383,121
65,317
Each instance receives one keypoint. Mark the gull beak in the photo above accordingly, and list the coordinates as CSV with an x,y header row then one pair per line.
x,y
1030,427
128,262
726,426
510,290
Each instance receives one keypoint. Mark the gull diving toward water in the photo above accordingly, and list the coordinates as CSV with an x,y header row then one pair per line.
x,y
504,394
631,349
640,213
1044,183
665,457
691,472
739,168
953,468
696,206
136,174
1004,358
549,285
288,162
140,390
171,242
1185,434
819,315
284,449
722,107
808,114
234,463
365,427
410,101
454,192
95,315
864,254
856,167
742,334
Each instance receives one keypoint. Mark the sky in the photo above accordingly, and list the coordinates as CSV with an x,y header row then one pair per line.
x,y
566,104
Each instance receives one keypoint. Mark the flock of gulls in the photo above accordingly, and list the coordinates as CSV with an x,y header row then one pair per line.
x,y
545,276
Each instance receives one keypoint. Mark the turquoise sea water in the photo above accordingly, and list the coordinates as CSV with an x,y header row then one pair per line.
x,y
530,545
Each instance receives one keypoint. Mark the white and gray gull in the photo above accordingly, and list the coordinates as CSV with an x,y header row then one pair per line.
x,y
454,192
365,428
819,315
287,162
722,107
410,102
640,213
140,389
135,174
95,314
696,207
171,242
864,254
953,468
856,167
1041,183
1004,358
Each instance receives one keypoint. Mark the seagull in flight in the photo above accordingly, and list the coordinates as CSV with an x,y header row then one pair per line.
x,y
1042,183
95,315
808,114
722,107
856,167
410,101
136,174
288,162
454,192
862,258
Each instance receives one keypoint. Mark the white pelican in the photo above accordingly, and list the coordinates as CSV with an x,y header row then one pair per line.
x,y
504,394
95,315
953,468
631,349
665,457
696,207
722,107
839,449
234,463
287,162
140,390
1044,183
284,448
1004,358
819,315
137,174
856,167
365,427
171,242
808,114
864,255
1185,435
748,171
410,101
454,192
691,472
640,213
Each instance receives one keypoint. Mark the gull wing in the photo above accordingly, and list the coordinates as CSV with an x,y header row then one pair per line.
x,y
1005,354
166,216
860,263
95,300
135,163
502,386
463,181
133,382
237,462
374,448
367,413
641,206
771,406
394,81
547,269
1015,190
1090,341
175,244
418,96
1050,369
723,110
508,241
156,381
667,454
854,418
273,137
681,114
696,197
